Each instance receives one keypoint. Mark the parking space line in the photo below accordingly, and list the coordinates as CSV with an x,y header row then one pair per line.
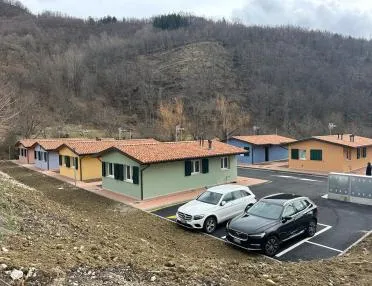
x,y
323,224
302,241
356,242
321,245
223,237
172,216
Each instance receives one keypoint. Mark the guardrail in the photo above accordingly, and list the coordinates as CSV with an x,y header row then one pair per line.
x,y
350,188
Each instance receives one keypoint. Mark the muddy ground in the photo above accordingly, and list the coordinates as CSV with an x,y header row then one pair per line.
x,y
57,234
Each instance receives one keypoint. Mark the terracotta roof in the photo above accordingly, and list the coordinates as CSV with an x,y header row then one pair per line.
x,y
93,147
174,151
27,143
345,141
265,139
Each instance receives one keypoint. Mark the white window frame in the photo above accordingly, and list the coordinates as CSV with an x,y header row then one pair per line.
x,y
108,170
302,152
223,165
193,164
130,168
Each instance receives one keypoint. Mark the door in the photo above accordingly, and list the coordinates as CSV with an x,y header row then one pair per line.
x,y
289,227
227,211
266,154
242,199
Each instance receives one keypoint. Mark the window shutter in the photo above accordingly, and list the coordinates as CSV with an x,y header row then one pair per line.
x,y
121,172
135,175
116,172
188,168
294,154
316,155
103,169
205,166
68,163
45,156
76,163
60,160
35,156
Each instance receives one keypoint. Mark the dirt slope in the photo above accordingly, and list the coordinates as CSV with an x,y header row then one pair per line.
x,y
73,237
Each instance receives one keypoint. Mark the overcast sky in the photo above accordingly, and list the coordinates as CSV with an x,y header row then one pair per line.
x,y
349,17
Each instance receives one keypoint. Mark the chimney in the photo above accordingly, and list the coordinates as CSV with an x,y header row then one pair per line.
x,y
352,137
342,136
209,144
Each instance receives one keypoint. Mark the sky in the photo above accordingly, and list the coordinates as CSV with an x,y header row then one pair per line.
x,y
348,17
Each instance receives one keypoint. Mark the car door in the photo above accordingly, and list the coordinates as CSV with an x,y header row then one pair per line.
x,y
289,227
301,216
226,211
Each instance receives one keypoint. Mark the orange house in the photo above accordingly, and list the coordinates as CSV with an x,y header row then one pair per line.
x,y
331,153
26,150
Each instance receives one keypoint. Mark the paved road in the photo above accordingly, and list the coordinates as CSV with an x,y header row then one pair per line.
x,y
340,223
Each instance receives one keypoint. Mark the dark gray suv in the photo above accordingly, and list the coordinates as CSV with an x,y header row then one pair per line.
x,y
271,221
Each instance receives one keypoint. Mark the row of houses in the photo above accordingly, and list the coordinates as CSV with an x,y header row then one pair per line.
x,y
141,169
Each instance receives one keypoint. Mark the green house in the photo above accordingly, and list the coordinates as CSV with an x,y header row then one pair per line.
x,y
156,169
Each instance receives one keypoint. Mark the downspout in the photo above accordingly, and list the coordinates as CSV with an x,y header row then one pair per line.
x,y
47,160
142,169
80,169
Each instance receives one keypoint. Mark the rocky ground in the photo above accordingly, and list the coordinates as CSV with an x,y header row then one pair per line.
x,y
55,234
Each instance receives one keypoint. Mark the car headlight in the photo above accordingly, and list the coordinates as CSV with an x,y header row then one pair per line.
x,y
197,217
257,235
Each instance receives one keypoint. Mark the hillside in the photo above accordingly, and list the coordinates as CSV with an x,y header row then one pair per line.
x,y
67,71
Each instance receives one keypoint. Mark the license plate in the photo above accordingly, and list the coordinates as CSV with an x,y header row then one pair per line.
x,y
237,241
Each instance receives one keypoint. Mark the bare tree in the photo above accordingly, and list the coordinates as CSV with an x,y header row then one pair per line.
x,y
171,115
7,107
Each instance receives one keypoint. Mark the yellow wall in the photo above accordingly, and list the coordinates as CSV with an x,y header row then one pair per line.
x,y
334,157
91,168
68,172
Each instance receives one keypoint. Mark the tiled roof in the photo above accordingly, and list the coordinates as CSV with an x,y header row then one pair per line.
x,y
174,151
345,141
27,143
93,147
265,139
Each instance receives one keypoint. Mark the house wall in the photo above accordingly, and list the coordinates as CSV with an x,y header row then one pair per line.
x,y
355,163
243,158
91,168
165,178
333,158
276,152
117,186
30,158
53,158
41,164
69,172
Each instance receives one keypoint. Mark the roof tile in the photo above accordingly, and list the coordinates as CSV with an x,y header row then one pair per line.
x,y
271,139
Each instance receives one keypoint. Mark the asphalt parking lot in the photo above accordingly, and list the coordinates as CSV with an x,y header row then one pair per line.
x,y
340,224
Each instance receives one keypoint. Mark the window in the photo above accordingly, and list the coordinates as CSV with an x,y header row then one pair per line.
x,y
358,153
225,163
302,154
244,194
316,155
35,154
289,211
128,173
209,198
364,152
248,149
73,161
45,156
294,154
67,162
299,206
347,152
195,167
39,155
228,197
110,170
237,195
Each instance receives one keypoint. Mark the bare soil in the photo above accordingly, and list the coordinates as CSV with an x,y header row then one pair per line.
x,y
74,237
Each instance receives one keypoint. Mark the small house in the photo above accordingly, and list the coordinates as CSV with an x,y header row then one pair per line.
x,y
26,151
157,169
261,148
46,154
331,153
77,159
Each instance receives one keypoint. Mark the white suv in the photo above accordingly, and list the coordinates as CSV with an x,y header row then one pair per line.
x,y
214,206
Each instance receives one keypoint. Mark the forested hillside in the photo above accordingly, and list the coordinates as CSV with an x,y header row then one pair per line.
x,y
216,78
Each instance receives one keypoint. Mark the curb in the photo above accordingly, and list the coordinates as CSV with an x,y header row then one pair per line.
x,y
283,171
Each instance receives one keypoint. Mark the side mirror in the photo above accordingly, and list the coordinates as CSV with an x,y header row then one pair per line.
x,y
223,203
248,207
286,218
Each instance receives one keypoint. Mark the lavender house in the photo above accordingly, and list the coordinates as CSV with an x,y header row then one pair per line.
x,y
261,148
46,155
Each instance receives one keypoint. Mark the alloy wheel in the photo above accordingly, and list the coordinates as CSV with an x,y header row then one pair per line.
x,y
311,230
271,246
210,225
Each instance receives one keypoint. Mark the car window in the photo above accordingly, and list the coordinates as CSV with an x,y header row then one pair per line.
x,y
209,198
289,211
266,210
299,205
228,197
237,195
244,193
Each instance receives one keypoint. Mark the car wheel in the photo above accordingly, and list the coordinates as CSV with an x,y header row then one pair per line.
x,y
210,224
271,246
311,229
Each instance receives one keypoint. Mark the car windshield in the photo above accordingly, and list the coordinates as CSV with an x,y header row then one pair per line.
x,y
209,198
266,210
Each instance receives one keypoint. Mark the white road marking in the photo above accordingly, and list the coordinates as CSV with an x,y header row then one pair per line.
x,y
323,224
356,242
325,196
223,237
321,245
296,178
301,242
